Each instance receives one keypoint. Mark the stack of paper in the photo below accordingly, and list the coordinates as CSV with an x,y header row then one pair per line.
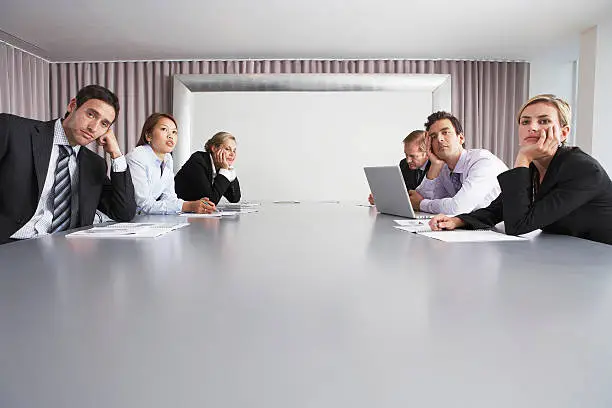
x,y
240,207
128,230
139,225
421,227
216,214
413,225
461,235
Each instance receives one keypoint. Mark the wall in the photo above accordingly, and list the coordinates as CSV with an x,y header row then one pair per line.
x,y
309,145
595,87
556,72
602,140
586,89
182,102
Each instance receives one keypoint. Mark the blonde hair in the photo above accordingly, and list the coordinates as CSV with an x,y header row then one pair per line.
x,y
417,136
217,140
563,109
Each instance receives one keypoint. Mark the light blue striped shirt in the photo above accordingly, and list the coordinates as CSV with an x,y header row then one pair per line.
x,y
154,190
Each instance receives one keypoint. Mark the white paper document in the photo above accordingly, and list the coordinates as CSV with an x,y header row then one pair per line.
x,y
139,225
241,207
128,230
216,214
462,235
413,225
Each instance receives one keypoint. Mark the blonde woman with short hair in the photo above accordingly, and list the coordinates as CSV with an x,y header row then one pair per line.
x,y
210,173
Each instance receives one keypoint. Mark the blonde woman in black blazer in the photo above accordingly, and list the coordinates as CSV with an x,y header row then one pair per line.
x,y
210,173
558,189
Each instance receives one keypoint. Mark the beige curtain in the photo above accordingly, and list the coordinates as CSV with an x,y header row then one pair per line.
x,y
24,83
485,94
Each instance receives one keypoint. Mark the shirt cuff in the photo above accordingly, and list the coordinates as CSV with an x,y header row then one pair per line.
x,y
428,182
426,187
228,174
119,164
179,206
425,205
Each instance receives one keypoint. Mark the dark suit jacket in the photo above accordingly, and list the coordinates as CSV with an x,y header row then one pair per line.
x,y
412,178
25,151
194,180
575,198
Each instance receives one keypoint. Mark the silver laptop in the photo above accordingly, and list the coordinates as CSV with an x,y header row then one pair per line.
x,y
390,194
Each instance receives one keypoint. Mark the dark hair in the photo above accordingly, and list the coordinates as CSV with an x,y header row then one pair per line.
x,y
96,92
217,140
417,136
150,123
436,116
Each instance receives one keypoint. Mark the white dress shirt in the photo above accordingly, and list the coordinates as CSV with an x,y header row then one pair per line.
x,y
478,169
154,190
40,223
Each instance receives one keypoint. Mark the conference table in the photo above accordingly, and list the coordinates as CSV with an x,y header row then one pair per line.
x,y
304,305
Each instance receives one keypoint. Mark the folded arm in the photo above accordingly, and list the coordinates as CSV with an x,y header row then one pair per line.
x,y
575,186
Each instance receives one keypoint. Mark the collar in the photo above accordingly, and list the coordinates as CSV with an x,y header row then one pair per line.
x,y
212,165
154,157
460,167
60,138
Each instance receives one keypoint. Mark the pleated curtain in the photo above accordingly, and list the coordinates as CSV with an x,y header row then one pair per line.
x,y
24,83
485,94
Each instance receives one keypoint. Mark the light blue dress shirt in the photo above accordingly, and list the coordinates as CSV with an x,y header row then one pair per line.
x,y
153,189
478,170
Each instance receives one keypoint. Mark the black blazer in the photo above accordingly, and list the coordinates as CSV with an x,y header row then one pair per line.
x,y
412,178
575,198
25,151
194,180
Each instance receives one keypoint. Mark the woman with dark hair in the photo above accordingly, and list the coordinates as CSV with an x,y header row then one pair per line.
x,y
558,189
210,173
151,169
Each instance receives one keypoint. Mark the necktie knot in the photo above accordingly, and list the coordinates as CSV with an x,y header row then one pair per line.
x,y
65,151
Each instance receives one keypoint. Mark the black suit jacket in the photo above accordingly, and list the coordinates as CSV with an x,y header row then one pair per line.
x,y
575,198
194,180
25,151
412,178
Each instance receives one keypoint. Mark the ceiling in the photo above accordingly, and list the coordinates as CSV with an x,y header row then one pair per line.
x,y
68,30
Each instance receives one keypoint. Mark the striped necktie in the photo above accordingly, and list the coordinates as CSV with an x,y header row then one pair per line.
x,y
456,180
61,191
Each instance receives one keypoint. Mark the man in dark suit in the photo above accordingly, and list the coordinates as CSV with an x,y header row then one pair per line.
x,y
49,182
415,165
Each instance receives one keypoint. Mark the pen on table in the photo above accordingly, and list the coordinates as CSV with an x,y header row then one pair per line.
x,y
208,202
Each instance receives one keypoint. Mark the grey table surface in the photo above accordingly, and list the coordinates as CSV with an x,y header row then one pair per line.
x,y
305,305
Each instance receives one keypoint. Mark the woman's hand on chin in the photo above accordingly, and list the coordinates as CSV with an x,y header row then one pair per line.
x,y
545,147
